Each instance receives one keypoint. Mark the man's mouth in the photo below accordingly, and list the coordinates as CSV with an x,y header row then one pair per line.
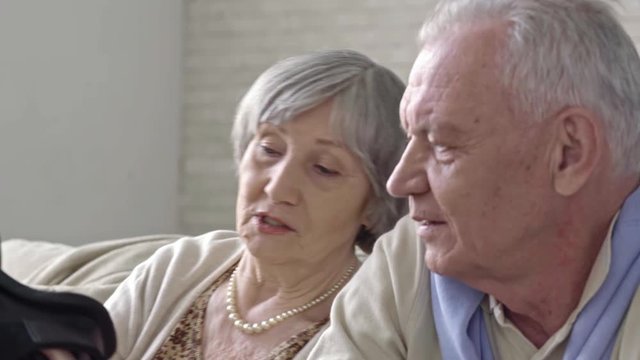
x,y
427,228
432,222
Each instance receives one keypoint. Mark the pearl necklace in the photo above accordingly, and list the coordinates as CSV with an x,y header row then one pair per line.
x,y
258,327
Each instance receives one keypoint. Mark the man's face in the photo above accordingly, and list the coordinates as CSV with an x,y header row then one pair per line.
x,y
477,177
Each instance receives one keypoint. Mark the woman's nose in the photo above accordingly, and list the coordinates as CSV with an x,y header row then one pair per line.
x,y
283,185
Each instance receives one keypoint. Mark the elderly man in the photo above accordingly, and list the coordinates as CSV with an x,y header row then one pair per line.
x,y
523,118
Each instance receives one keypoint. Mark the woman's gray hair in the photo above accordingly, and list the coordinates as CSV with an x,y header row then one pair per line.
x,y
366,98
560,54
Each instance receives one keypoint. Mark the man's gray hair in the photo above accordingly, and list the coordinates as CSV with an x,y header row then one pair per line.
x,y
366,98
561,53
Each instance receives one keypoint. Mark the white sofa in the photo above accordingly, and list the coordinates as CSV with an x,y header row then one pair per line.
x,y
94,269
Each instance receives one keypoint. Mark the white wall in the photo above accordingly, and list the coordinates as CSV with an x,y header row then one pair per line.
x,y
228,43
90,98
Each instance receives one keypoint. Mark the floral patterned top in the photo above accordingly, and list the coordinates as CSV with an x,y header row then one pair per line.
x,y
185,341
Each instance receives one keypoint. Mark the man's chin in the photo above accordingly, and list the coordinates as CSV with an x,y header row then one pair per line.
x,y
440,263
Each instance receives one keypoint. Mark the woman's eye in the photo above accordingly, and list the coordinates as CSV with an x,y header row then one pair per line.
x,y
268,150
323,170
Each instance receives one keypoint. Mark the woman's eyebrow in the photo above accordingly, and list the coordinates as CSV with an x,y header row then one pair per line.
x,y
329,142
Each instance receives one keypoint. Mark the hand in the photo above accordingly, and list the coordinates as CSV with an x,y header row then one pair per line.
x,y
58,354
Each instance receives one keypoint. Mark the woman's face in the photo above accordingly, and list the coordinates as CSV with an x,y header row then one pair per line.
x,y
302,194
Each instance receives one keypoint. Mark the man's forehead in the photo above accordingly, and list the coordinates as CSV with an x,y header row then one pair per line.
x,y
421,116
444,94
439,88
426,63
466,49
466,61
427,79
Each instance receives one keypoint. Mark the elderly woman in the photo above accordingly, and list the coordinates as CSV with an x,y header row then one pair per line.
x,y
315,139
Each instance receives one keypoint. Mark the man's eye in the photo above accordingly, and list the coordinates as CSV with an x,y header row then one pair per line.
x,y
443,154
323,170
440,149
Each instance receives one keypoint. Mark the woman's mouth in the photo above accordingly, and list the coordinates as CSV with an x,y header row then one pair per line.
x,y
270,225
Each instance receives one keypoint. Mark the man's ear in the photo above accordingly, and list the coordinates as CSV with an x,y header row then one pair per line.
x,y
577,149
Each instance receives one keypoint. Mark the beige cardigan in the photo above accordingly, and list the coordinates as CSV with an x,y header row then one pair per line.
x,y
148,304
384,312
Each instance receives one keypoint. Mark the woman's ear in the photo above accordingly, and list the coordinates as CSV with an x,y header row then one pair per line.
x,y
367,213
577,149
365,223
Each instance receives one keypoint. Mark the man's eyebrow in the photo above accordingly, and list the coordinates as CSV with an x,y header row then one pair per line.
x,y
438,128
446,129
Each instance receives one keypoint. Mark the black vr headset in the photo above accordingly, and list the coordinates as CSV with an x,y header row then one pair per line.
x,y
33,320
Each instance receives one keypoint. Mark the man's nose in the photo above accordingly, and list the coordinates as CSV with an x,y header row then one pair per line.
x,y
409,176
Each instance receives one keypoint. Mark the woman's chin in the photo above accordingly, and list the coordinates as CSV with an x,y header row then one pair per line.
x,y
269,249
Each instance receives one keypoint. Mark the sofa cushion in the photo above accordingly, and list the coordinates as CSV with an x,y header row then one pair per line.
x,y
95,269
